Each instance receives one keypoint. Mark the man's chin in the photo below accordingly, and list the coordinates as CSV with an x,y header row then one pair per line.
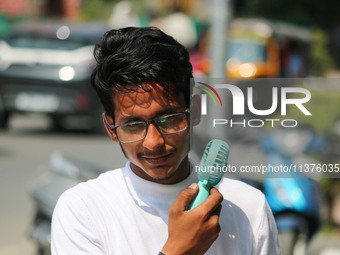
x,y
161,175
165,174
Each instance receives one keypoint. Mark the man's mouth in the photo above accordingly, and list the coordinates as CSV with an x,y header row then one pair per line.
x,y
157,159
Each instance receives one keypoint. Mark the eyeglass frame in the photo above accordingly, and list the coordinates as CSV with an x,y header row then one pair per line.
x,y
147,122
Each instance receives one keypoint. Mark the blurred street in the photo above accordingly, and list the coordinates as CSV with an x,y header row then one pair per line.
x,y
24,155
49,72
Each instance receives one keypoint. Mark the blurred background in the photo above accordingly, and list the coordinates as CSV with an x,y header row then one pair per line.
x,y
51,133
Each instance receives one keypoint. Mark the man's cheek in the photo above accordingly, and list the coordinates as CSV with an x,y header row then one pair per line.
x,y
123,150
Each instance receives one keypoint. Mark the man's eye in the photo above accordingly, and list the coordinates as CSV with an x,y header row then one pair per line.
x,y
133,127
168,122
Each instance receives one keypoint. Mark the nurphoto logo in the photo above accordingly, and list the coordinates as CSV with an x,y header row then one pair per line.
x,y
280,97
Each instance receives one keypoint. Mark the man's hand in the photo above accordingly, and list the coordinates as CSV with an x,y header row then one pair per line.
x,y
194,231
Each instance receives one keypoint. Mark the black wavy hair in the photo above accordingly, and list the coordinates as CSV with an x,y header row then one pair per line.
x,y
139,56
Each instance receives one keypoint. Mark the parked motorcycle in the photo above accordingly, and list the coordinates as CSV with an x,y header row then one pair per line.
x,y
294,197
64,173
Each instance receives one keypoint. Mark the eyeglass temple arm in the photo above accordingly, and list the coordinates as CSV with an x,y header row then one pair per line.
x,y
107,122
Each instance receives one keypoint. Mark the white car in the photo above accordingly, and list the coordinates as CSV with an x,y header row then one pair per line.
x,y
46,67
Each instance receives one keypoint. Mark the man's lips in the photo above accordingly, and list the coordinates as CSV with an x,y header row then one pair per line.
x,y
157,159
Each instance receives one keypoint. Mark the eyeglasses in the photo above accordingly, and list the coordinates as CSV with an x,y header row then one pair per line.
x,y
136,131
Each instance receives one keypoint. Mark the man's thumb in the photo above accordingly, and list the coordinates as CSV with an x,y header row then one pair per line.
x,y
186,196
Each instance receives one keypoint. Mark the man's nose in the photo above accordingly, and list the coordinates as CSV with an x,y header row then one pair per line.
x,y
154,138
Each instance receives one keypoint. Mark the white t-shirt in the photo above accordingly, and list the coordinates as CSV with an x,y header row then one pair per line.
x,y
120,213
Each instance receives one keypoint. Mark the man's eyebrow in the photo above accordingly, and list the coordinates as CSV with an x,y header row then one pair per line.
x,y
168,110
128,119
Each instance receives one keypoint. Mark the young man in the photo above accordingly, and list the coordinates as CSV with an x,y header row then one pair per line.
x,y
143,80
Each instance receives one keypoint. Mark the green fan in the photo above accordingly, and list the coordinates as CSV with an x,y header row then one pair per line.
x,y
215,157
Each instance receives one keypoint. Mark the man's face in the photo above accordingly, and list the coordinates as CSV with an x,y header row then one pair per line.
x,y
158,157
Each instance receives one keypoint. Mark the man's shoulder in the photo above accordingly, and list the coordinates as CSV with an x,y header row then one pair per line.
x,y
238,186
104,180
244,203
105,183
245,210
241,194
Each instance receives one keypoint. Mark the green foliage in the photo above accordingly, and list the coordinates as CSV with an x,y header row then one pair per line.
x,y
4,25
300,12
96,10
320,58
324,107
291,11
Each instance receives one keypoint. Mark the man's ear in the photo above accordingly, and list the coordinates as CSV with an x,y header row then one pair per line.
x,y
196,110
111,132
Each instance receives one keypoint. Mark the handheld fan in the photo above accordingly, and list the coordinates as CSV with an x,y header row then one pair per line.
x,y
210,171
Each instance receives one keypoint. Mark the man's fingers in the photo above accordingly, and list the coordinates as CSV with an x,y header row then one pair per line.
x,y
185,197
217,211
213,201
